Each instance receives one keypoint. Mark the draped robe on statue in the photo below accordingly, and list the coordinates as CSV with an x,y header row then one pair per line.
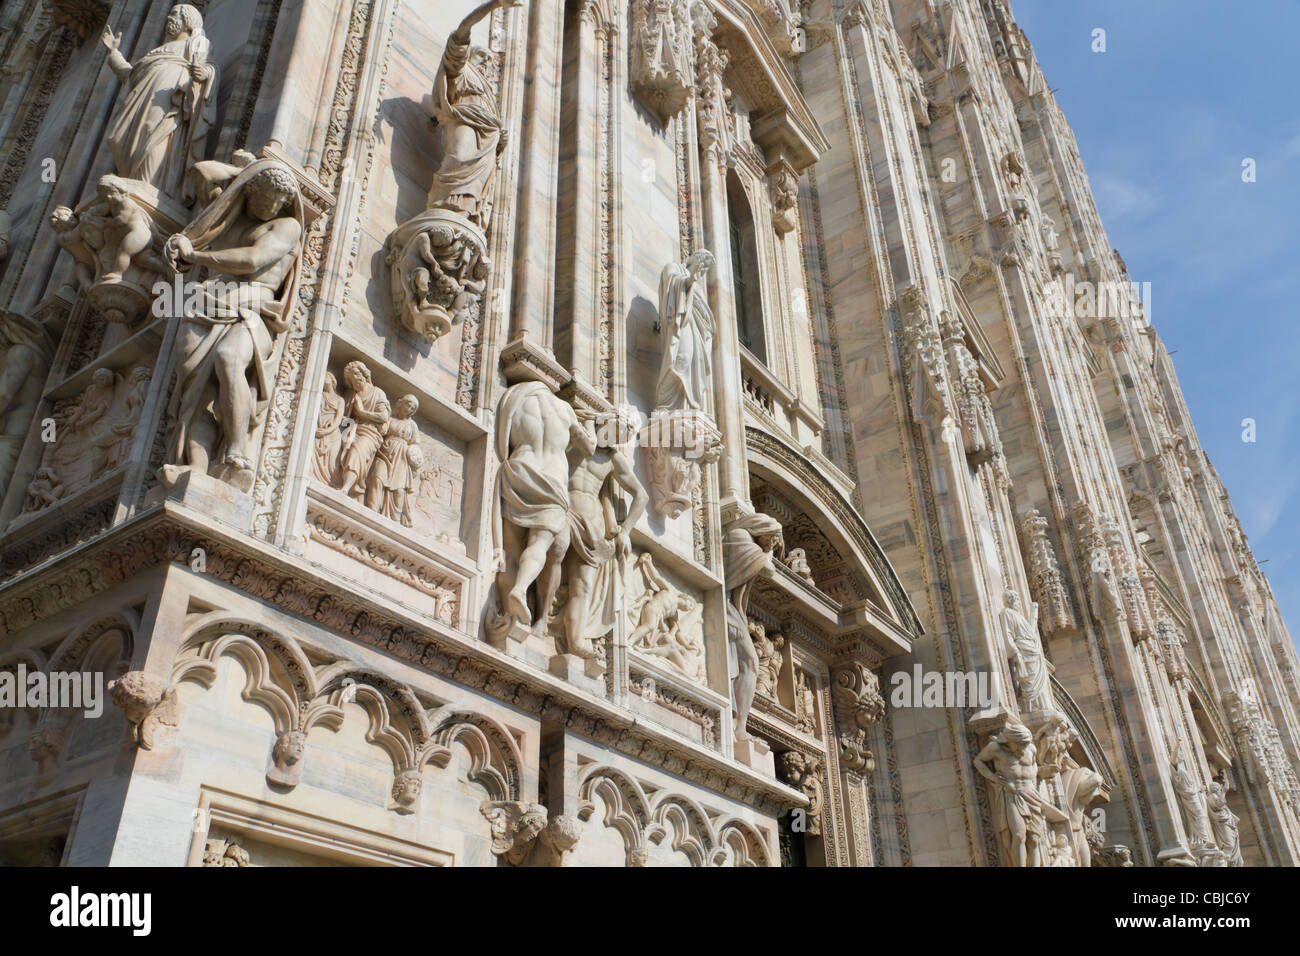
x,y
262,311
157,133
463,101
687,320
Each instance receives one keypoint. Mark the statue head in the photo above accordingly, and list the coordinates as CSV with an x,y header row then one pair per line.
x,y
269,192
699,264
141,373
331,384
406,406
184,20
357,375
103,378
63,219
619,428
1016,737
289,748
1010,598
406,787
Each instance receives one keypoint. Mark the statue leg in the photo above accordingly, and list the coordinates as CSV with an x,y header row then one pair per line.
x,y
549,581
235,398
576,609
746,680
201,432
531,563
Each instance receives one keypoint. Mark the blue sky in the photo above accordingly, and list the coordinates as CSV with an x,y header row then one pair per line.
x,y
1186,90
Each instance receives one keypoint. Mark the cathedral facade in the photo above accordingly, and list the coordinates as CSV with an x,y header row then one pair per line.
x,y
598,432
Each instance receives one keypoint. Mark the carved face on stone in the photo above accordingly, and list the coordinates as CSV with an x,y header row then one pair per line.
x,y
331,384
63,219
357,376
406,407
407,786
289,748
268,193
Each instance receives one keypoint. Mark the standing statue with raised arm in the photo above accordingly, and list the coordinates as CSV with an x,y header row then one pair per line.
x,y
158,130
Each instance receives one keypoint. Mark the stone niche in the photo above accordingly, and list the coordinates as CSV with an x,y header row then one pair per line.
x,y
395,485
677,676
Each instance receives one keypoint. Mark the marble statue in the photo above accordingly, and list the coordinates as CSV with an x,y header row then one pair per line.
x,y
768,650
1009,763
1224,822
158,131
1191,797
1082,786
368,410
438,263
598,541
662,70
660,614
686,373
535,431
747,549
1026,651
797,561
26,351
249,238
394,474
329,432
473,132
113,237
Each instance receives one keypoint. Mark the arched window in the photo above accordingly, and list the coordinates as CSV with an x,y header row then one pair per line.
x,y
744,269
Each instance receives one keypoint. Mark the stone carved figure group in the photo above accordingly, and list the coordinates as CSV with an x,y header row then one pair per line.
x,y
560,490
239,247
156,135
92,435
368,448
438,260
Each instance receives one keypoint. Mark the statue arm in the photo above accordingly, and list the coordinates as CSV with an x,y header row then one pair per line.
x,y
461,36
581,437
627,478
280,241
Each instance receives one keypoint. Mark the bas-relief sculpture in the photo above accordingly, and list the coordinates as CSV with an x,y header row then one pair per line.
x,y
438,260
92,435
667,626
26,351
244,250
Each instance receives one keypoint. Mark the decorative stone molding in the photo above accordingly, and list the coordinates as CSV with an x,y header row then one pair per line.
x,y
662,55
1054,611
858,705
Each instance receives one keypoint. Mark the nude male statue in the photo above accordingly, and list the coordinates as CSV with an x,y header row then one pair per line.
x,y
596,535
534,432
1009,763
